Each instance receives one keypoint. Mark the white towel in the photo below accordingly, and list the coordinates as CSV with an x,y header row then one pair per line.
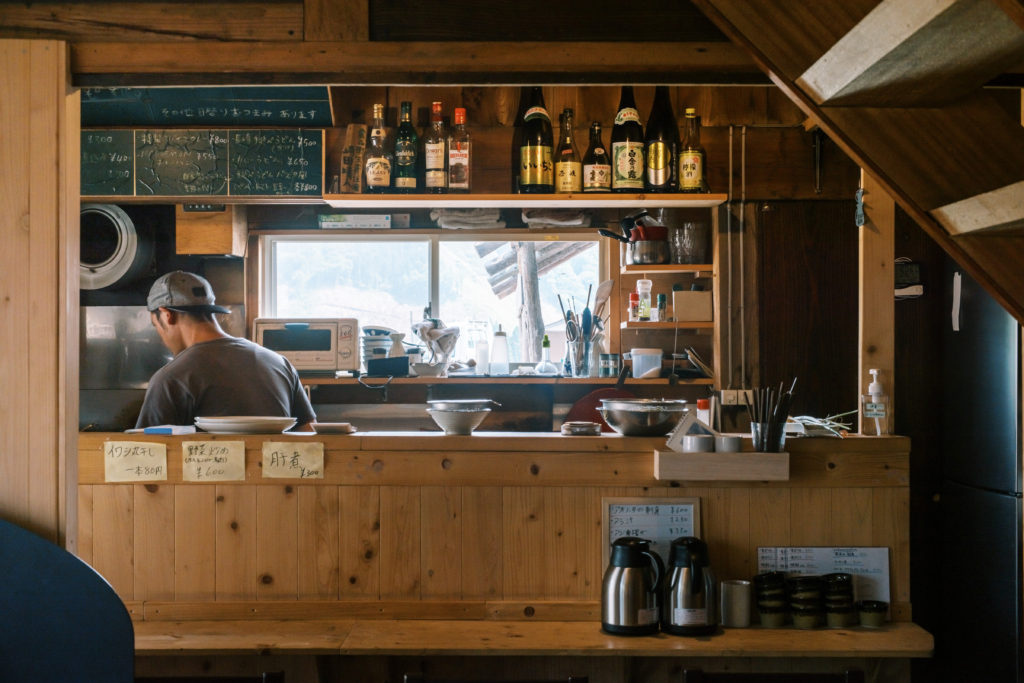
x,y
467,218
561,217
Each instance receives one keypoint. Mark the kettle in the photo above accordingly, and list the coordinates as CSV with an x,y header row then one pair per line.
x,y
631,587
690,605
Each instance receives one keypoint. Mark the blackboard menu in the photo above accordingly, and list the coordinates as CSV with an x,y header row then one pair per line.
x,y
276,162
107,162
171,163
203,162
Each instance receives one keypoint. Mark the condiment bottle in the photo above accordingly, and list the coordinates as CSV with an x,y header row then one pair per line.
x,y
545,366
662,308
634,306
499,353
643,290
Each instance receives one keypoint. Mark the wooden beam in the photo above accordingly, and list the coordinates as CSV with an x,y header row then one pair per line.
x,y
347,21
148,21
877,300
914,52
414,63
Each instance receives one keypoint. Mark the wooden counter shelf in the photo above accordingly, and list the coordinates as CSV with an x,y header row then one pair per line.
x,y
594,200
527,379
426,637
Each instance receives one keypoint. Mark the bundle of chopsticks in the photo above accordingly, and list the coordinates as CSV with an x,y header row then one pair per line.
x,y
770,409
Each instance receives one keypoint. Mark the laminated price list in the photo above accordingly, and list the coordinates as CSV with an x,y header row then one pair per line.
x,y
869,566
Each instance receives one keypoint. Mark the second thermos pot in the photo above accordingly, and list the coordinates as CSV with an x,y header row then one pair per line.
x,y
690,604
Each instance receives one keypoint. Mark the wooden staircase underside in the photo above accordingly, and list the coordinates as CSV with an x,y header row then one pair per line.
x,y
900,85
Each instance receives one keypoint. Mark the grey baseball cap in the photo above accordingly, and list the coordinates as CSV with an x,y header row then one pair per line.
x,y
181,291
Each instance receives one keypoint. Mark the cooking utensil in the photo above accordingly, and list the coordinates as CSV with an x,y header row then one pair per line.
x,y
604,290
642,416
614,236
463,404
585,409
645,252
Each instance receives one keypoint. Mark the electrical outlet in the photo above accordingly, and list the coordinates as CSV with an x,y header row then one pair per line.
x,y
730,397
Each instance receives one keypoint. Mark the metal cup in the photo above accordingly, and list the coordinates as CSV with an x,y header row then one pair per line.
x,y
735,607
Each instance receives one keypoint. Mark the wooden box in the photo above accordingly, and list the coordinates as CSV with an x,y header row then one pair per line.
x,y
220,231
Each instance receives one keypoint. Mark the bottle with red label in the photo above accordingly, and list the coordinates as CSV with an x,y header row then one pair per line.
x,y
460,169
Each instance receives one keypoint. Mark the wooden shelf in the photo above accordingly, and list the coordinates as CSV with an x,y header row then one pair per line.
x,y
667,325
484,379
665,268
721,466
595,200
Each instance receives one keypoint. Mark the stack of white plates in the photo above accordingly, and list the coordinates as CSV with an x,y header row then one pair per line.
x,y
245,424
376,347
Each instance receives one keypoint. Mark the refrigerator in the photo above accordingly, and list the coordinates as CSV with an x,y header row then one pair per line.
x,y
980,548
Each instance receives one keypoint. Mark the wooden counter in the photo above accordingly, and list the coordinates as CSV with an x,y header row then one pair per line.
x,y
420,543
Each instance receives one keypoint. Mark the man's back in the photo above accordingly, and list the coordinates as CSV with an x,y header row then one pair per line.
x,y
226,376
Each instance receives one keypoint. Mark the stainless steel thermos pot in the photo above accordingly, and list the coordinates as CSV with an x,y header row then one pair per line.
x,y
690,604
630,592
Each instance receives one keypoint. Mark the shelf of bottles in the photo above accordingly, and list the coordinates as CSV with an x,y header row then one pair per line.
x,y
665,325
666,268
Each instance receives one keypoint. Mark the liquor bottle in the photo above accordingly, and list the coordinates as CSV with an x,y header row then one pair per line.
x,y
406,151
517,136
379,155
568,169
597,171
691,156
536,172
661,145
627,146
435,174
460,167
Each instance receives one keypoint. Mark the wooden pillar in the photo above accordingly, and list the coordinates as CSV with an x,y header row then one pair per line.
x,y
39,183
877,289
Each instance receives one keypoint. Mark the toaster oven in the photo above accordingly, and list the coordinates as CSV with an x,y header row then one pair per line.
x,y
315,346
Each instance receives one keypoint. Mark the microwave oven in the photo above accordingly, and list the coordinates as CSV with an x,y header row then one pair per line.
x,y
317,346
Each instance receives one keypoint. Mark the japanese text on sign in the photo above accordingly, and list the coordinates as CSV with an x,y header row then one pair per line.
x,y
293,460
134,461
213,460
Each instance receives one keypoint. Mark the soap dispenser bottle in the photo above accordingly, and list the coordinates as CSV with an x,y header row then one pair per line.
x,y
545,366
875,408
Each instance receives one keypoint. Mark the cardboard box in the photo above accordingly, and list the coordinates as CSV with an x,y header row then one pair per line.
x,y
339,221
692,307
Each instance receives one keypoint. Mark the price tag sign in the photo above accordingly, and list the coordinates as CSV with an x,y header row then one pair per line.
x,y
213,461
134,461
658,520
293,460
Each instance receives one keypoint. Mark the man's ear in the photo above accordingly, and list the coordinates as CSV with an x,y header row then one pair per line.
x,y
172,316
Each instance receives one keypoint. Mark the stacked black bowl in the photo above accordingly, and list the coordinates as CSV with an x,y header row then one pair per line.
x,y
839,612
770,594
805,600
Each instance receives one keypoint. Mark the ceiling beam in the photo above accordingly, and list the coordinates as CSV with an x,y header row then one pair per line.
x,y
916,52
999,209
410,63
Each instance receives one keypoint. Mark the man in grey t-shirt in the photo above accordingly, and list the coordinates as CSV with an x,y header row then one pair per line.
x,y
212,373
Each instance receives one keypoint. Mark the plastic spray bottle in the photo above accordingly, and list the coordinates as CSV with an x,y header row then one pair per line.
x,y
875,406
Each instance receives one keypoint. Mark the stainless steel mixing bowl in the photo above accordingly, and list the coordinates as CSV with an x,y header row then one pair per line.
x,y
642,416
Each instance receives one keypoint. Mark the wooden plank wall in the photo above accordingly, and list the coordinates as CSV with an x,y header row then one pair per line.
x,y
455,548
38,267
766,132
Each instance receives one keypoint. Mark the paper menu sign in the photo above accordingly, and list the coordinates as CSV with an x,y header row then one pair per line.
x,y
213,461
869,566
658,520
293,460
134,461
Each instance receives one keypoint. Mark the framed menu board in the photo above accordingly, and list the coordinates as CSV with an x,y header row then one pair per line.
x,y
658,520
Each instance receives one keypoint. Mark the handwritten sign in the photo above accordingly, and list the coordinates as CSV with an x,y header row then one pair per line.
x,y
869,566
293,460
659,520
276,162
108,162
134,461
213,461
181,162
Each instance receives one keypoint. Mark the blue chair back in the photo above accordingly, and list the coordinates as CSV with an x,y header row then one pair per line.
x,y
59,619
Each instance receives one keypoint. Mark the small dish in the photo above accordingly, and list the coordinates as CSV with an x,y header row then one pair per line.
x,y
581,429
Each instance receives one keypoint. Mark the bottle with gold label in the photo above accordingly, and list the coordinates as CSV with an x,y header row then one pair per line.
x,y
568,169
536,167
379,154
627,145
406,152
661,145
691,156
597,171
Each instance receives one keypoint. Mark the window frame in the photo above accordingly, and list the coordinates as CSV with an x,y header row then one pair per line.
x,y
433,237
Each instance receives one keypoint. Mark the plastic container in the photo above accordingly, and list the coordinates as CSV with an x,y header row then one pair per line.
x,y
643,290
634,307
499,353
704,410
875,407
646,361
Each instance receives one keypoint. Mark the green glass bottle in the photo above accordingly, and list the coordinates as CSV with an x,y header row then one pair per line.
x,y
406,152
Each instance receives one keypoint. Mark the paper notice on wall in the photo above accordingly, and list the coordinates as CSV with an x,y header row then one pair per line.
x,y
293,460
134,461
869,566
213,460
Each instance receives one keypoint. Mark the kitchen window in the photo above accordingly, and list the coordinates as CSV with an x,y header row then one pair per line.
x,y
467,280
